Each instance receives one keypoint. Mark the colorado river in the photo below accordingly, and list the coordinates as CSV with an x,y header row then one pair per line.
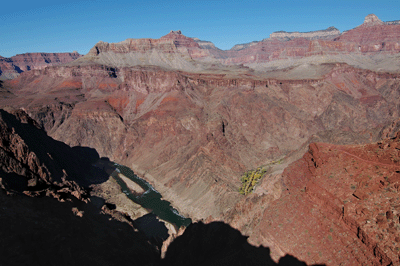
x,y
150,199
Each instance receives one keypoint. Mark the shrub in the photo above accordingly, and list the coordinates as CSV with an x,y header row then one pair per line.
x,y
249,179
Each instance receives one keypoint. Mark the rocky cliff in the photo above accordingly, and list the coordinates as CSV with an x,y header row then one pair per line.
x,y
329,33
13,66
368,42
34,164
173,50
373,37
73,230
191,134
341,199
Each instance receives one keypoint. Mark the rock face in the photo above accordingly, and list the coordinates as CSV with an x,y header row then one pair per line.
x,y
192,135
39,229
341,198
34,164
372,38
371,19
176,51
76,230
205,44
242,46
173,50
329,33
13,66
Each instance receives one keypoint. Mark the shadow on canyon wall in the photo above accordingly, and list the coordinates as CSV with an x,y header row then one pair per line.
x,y
43,231
218,243
23,138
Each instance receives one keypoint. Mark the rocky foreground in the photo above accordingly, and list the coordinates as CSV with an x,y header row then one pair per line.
x,y
191,119
344,198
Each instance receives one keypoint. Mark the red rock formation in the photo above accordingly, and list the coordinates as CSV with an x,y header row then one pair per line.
x,y
372,37
174,42
339,205
198,132
13,66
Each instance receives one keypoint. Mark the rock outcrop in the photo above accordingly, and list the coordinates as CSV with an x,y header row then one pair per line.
x,y
34,164
173,50
357,47
13,66
238,47
205,44
329,33
339,202
371,20
373,37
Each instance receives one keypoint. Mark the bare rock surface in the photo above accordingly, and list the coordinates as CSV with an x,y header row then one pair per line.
x,y
339,206
13,66
328,33
34,164
192,135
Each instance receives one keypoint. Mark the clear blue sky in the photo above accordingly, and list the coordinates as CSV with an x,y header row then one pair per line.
x,y
65,26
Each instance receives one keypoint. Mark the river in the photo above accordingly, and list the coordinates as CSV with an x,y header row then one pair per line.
x,y
151,199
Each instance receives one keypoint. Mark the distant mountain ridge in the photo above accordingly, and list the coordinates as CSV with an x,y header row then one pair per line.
x,y
373,38
362,46
13,66
328,33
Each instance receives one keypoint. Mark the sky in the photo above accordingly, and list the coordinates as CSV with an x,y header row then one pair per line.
x,y
66,26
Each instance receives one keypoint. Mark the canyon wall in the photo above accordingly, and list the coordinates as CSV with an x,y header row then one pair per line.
x,y
13,66
192,135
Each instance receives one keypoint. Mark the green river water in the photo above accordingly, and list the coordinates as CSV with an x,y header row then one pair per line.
x,y
150,199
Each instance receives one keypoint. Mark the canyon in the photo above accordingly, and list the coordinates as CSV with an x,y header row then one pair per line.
x,y
318,111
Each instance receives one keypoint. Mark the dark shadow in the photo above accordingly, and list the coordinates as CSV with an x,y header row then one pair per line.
x,y
60,160
13,181
218,243
154,229
43,231
18,69
53,232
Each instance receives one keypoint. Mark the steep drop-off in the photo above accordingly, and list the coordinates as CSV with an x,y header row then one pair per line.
x,y
192,135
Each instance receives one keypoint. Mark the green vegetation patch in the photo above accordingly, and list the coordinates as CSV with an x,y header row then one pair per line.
x,y
250,179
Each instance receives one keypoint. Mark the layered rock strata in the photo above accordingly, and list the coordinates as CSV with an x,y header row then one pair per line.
x,y
329,33
192,135
13,66
339,205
